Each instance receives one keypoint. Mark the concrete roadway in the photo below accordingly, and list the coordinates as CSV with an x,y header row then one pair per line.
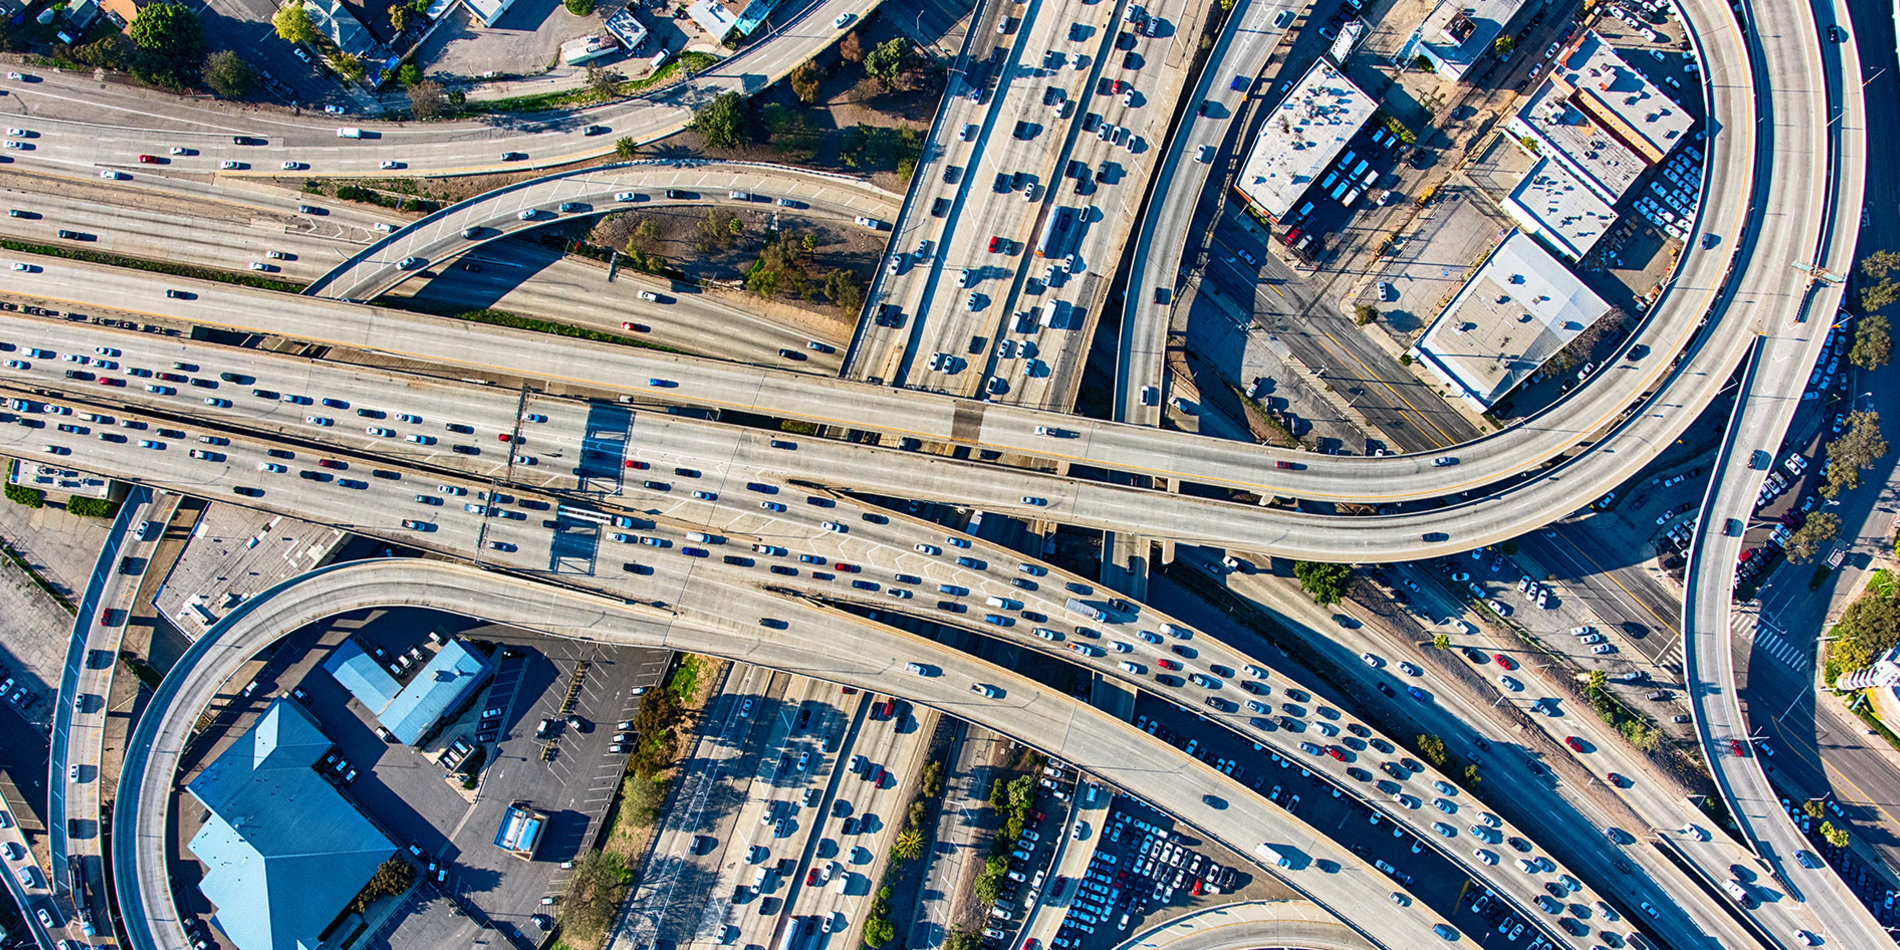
x,y
376,503
847,650
1124,448
1821,116
84,124
441,237
1180,189
79,724
227,228
28,898
1153,72
1641,808
1244,926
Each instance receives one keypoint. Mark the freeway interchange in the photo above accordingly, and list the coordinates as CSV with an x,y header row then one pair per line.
x,y
467,450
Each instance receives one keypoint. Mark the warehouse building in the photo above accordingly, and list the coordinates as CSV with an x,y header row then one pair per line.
x,y
1602,120
409,712
1321,113
1518,309
1456,34
1552,204
283,851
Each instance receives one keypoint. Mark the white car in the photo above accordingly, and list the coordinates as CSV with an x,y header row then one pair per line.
x,y
649,296
842,19
111,174
229,165
291,166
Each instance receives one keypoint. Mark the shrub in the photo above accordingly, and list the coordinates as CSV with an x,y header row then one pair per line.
x,y
89,507
22,495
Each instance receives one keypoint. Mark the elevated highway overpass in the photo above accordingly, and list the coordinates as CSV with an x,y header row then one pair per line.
x,y
850,651
1818,110
381,499
458,229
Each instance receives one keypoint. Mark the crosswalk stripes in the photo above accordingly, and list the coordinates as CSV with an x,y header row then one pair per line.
x,y
1769,639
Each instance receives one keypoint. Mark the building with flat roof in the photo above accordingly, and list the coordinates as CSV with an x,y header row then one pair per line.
x,y
721,18
1605,121
1458,33
1553,205
1518,309
410,711
335,21
284,852
1321,113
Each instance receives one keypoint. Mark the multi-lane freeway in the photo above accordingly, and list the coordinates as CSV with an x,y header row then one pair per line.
x,y
1785,149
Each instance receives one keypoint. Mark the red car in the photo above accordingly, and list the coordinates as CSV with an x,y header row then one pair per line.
x,y
332,463
148,159
1735,746
996,244
811,878
1575,744
1167,664
1617,781
1504,661
1333,751
632,463
505,437
111,381
847,568
1291,236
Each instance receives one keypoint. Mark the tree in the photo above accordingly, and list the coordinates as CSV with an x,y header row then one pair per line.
x,y
1503,46
1441,642
604,83
1472,778
22,495
624,148
293,24
400,17
1814,534
579,7
1364,313
593,893
1869,627
426,100
846,289
850,49
909,845
1853,450
89,507
409,74
1879,296
1433,749
1812,808
228,75
888,60
1325,582
805,81
1642,735
171,39
392,877
1873,345
879,931
722,122
641,796
1835,836
1596,681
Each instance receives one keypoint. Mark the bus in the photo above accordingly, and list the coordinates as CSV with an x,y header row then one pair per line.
x,y
1057,232
794,933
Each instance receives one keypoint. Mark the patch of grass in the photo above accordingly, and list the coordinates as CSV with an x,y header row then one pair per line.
x,y
504,318
685,680
1859,706
247,278
1881,582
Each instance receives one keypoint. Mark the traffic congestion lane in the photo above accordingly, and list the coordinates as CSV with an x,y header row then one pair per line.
x,y
1072,731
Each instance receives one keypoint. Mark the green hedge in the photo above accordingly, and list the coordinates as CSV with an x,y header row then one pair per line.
x,y
90,507
247,278
22,495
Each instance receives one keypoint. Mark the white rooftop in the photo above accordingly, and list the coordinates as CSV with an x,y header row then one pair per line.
x,y
1562,132
1319,115
1456,33
1597,80
1517,310
1554,205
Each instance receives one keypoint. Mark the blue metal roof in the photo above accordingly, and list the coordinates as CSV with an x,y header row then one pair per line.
x,y
362,676
283,851
443,682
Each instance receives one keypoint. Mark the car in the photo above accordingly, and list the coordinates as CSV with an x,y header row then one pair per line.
x,y
1575,744
842,20
1504,661
110,174
1167,664
1444,460
984,689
